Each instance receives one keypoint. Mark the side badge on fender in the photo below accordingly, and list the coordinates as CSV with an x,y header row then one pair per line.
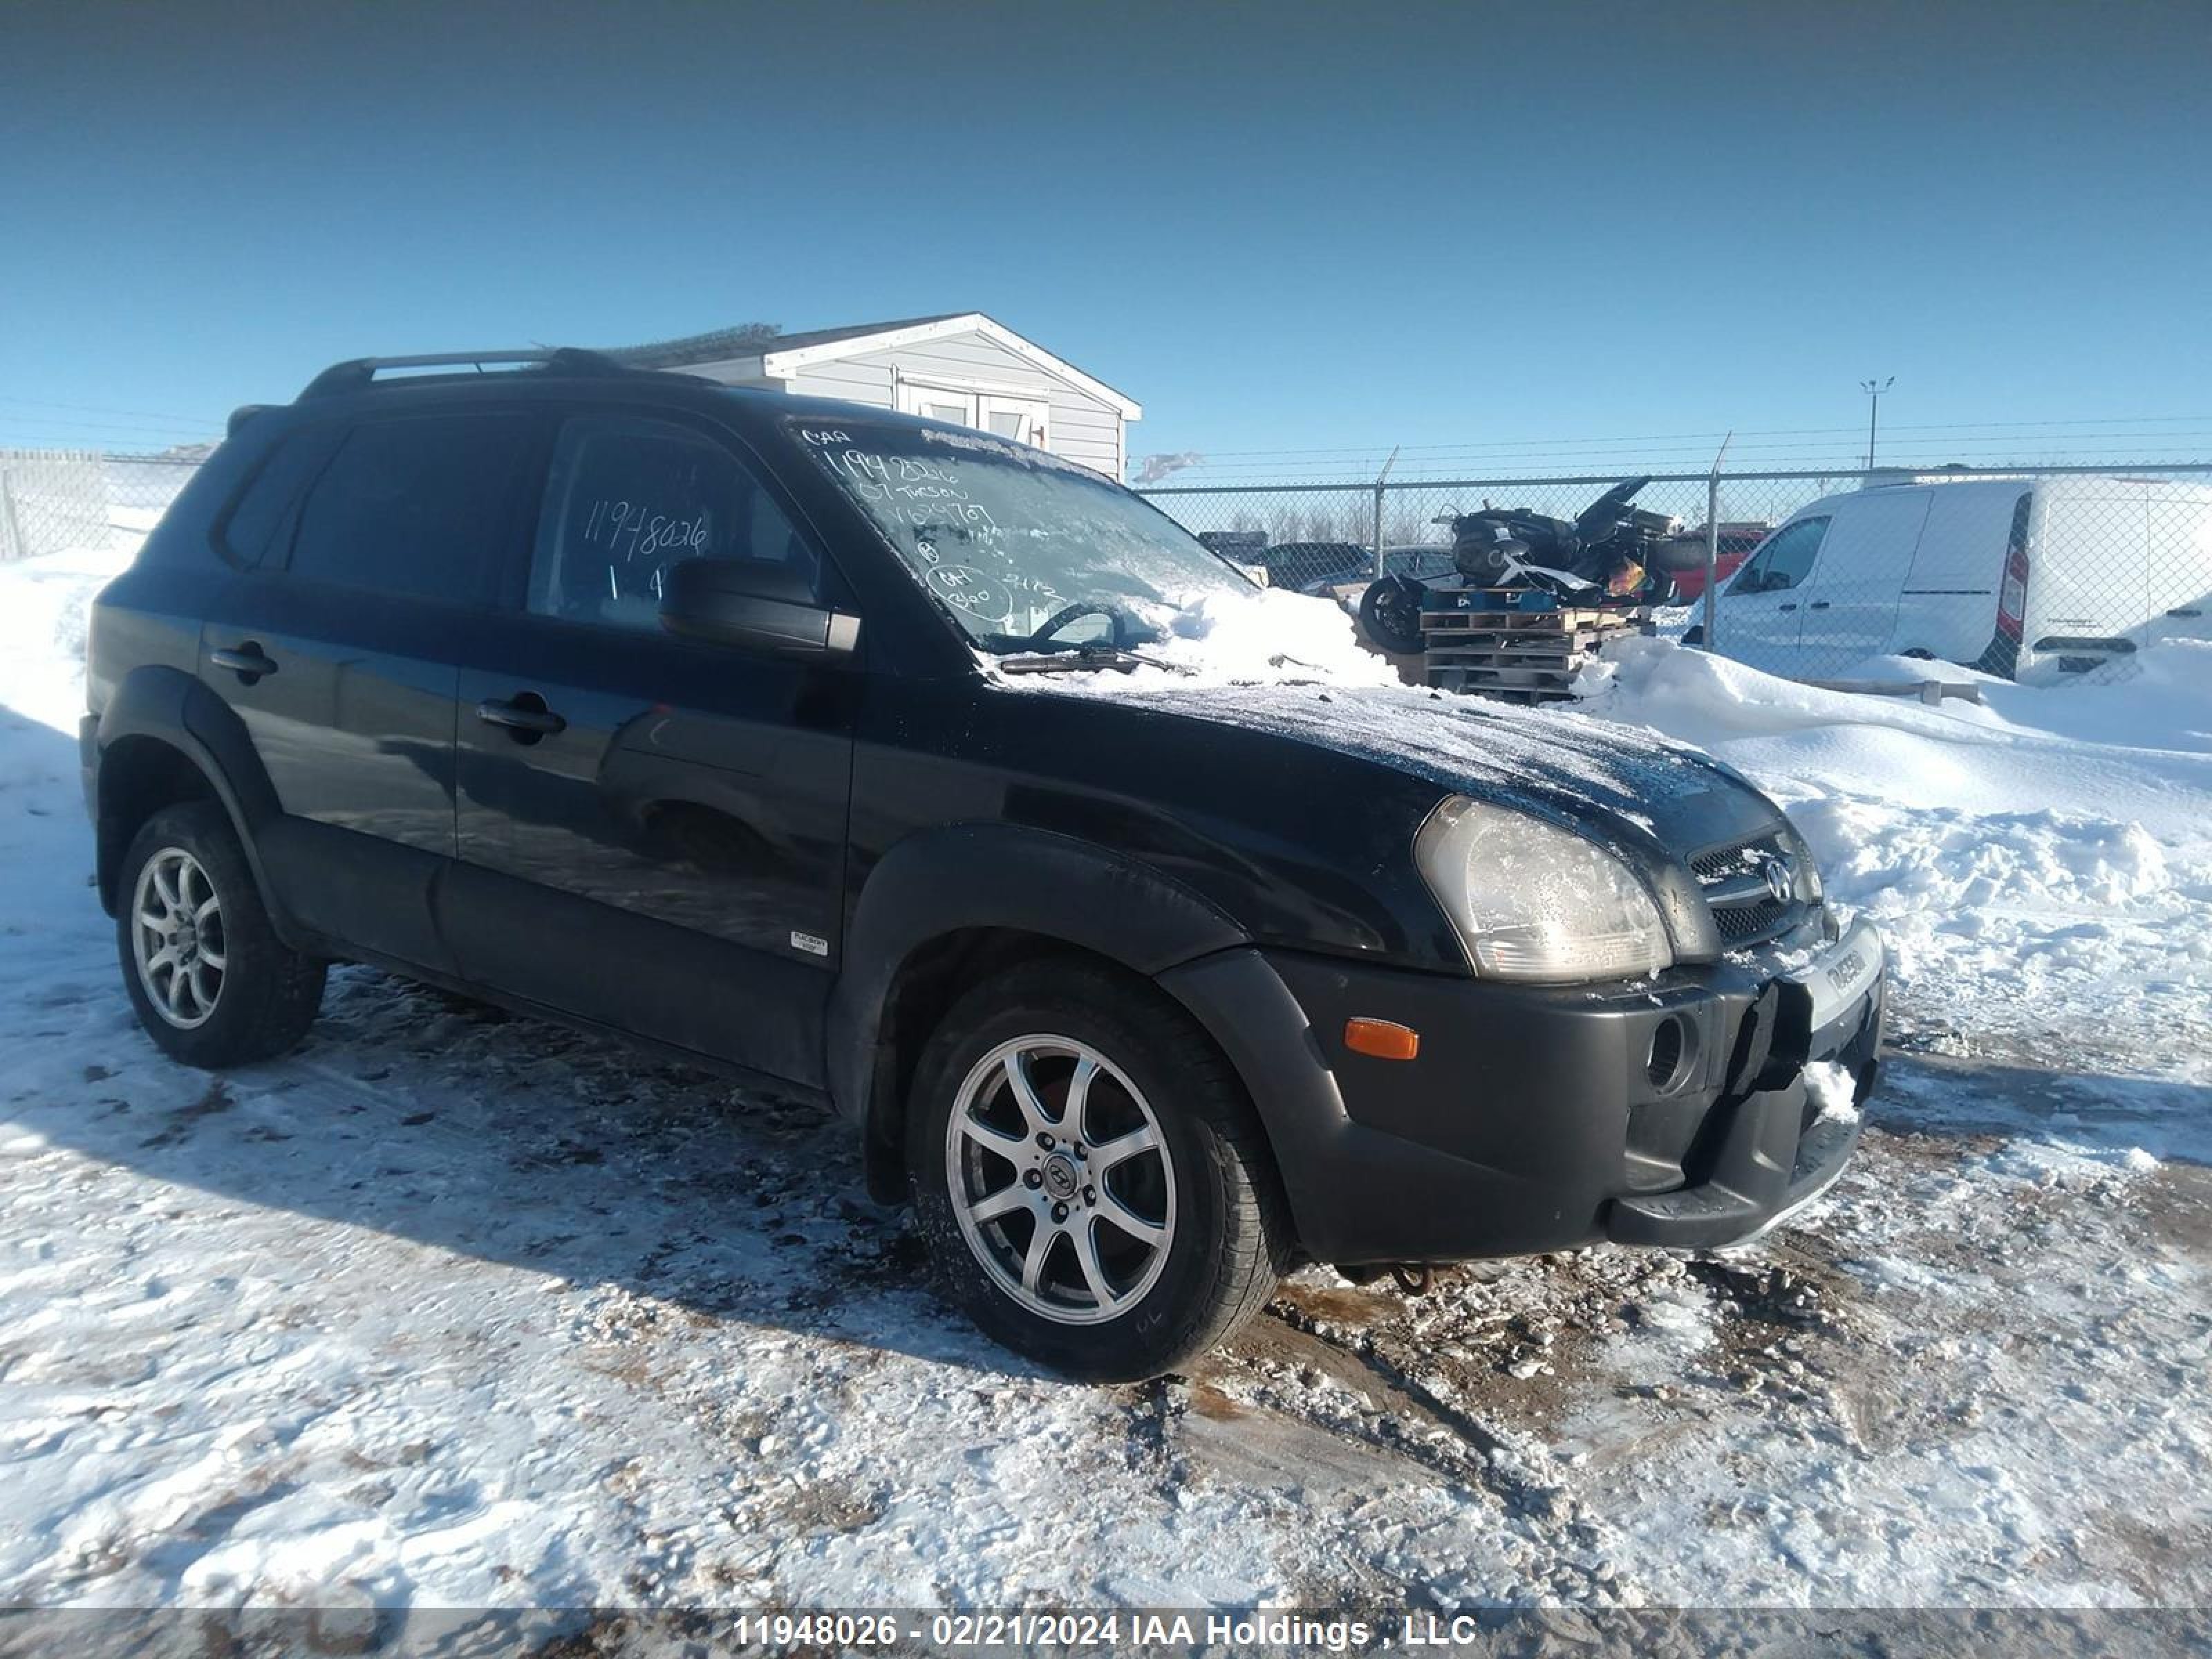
x,y
812,945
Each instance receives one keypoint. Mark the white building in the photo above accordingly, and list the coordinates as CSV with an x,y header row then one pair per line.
x,y
963,367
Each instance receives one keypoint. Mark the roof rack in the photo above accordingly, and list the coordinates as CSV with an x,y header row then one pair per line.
x,y
358,373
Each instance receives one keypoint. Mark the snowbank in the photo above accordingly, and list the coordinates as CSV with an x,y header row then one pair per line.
x,y
2042,862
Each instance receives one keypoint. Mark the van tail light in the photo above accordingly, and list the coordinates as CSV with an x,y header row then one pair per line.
x,y
2012,598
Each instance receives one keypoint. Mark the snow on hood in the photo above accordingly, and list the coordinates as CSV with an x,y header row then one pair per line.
x,y
1293,665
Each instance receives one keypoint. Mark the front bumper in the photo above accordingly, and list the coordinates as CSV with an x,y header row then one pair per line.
x,y
1671,1113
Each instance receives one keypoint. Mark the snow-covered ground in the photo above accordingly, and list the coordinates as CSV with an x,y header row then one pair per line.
x,y
450,1309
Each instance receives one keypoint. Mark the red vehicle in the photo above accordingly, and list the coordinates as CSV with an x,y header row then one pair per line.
x,y
1737,542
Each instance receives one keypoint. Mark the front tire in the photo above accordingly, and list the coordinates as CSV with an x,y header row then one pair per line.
x,y
1087,1176
212,982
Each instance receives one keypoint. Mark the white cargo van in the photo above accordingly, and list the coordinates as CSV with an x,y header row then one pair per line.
x,y
2034,577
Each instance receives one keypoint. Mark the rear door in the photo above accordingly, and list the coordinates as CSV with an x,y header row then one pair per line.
x,y
378,545
2180,572
1851,599
652,830
1760,610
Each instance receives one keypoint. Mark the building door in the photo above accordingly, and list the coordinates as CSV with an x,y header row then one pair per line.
x,y
1019,418
1022,419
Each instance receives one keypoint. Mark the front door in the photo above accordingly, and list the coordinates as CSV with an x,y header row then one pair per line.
x,y
1761,610
652,830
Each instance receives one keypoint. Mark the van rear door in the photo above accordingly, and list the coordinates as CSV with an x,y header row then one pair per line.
x,y
2089,602
1850,603
2180,562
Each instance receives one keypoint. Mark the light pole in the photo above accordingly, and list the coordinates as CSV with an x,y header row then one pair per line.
x,y
1873,389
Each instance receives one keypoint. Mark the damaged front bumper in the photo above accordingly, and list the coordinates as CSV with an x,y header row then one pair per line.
x,y
1672,1113
1773,1150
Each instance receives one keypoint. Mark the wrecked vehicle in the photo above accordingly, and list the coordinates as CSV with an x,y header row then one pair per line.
x,y
864,756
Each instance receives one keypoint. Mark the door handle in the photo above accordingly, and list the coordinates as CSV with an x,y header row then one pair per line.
x,y
1818,605
1792,605
526,722
248,661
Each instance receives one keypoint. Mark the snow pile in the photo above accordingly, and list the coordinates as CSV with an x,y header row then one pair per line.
x,y
2041,862
1269,636
1224,637
43,606
1831,1087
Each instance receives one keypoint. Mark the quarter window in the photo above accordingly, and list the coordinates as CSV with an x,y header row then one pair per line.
x,y
261,521
627,498
417,506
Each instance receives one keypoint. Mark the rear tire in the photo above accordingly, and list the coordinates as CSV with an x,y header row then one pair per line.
x,y
212,982
1106,1263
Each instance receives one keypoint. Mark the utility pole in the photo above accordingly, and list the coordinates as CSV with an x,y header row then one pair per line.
x,y
1873,389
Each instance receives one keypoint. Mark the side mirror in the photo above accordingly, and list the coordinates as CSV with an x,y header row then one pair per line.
x,y
756,604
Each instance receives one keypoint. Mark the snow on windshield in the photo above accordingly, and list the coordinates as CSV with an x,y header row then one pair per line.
x,y
1010,539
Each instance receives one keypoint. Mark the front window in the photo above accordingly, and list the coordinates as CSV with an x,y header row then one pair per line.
x,y
1783,560
626,497
1025,551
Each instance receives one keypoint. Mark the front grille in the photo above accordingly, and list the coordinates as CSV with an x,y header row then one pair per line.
x,y
1739,923
1717,864
1733,878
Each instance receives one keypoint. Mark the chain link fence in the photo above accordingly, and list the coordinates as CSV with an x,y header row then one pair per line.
x,y
2046,573
64,501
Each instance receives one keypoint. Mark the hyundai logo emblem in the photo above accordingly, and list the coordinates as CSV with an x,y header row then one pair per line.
x,y
1781,873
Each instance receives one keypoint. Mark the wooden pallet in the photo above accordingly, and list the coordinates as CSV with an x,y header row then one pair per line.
x,y
1524,656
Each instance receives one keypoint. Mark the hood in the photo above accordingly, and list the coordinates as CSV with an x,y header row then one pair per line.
x,y
1293,666
1632,788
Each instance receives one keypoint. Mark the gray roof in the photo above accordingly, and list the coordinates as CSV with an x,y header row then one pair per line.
x,y
750,339
756,339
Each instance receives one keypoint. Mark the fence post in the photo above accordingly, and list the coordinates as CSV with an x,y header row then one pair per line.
x,y
1712,552
11,534
1382,478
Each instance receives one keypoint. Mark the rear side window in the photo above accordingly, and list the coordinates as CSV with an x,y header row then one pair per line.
x,y
1786,560
626,497
415,507
260,523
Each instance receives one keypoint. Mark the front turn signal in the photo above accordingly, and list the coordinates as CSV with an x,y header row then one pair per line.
x,y
1382,1038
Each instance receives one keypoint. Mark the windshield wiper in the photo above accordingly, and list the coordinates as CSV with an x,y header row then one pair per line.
x,y
1085,658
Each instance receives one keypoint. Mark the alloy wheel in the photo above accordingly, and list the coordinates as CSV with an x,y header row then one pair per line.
x,y
1061,1179
177,938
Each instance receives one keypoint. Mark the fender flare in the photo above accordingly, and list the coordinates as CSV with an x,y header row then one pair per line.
x,y
968,876
166,705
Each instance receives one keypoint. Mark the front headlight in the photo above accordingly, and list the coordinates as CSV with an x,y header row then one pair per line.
x,y
1533,901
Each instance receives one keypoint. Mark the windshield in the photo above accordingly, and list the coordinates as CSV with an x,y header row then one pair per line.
x,y
1026,551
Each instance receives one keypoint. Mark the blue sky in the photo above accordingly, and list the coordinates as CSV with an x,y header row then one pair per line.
x,y
1283,228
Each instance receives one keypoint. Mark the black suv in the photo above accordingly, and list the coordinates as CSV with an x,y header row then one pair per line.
x,y
802,737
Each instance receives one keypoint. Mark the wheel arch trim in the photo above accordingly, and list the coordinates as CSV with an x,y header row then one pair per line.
x,y
162,705
987,877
